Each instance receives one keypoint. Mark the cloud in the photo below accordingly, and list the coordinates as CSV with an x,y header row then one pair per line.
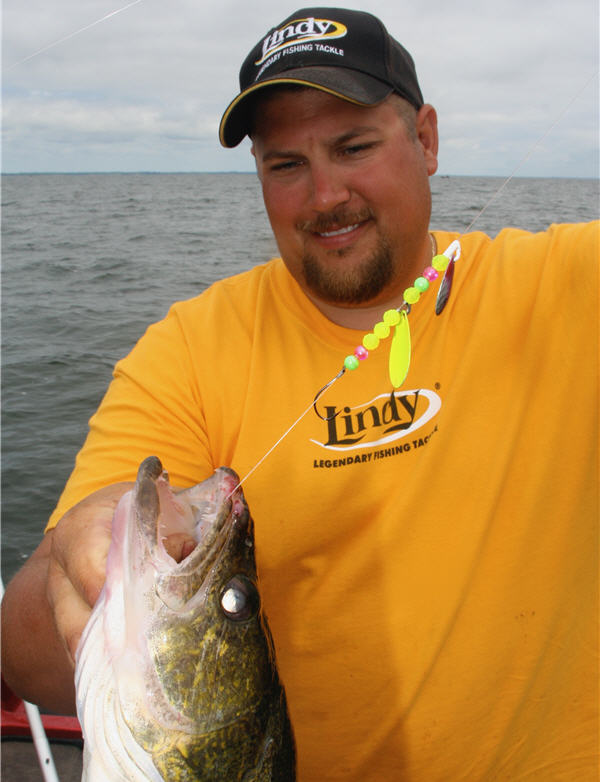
x,y
145,88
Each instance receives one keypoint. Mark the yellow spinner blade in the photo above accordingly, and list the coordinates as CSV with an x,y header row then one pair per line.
x,y
400,352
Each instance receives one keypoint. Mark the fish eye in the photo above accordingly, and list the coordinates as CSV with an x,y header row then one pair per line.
x,y
239,599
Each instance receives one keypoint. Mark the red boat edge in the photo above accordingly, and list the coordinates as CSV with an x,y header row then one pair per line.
x,y
14,722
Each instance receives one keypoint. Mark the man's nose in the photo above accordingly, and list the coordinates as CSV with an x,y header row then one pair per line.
x,y
329,188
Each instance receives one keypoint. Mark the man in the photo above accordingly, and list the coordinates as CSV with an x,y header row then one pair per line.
x,y
426,553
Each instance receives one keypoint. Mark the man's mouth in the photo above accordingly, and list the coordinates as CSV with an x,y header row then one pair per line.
x,y
334,224
339,231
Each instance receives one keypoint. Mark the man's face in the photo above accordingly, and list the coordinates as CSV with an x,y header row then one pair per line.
x,y
347,193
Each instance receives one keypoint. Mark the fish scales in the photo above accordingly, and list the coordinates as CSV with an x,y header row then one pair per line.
x,y
175,672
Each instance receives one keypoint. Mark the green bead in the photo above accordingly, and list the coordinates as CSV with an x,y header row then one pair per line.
x,y
351,362
411,295
370,341
381,330
421,284
391,317
440,263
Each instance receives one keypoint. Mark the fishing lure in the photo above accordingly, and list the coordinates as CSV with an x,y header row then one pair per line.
x,y
397,319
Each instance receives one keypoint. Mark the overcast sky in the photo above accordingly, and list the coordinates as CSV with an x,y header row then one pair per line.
x,y
144,89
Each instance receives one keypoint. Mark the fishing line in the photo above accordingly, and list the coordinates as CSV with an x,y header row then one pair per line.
x,y
283,436
313,404
536,144
72,35
494,196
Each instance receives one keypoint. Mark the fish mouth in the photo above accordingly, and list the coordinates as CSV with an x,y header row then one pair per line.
x,y
203,517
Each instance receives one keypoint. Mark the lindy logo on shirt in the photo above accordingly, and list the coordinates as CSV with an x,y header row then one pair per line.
x,y
379,421
301,31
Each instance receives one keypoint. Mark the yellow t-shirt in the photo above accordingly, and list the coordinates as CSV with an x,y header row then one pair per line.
x,y
428,558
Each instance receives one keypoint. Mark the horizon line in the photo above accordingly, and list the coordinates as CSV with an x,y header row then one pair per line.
x,y
150,172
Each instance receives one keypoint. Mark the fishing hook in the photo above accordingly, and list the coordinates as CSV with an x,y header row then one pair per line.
x,y
322,391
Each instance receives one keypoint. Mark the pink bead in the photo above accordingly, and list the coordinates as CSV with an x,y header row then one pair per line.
x,y
430,273
361,353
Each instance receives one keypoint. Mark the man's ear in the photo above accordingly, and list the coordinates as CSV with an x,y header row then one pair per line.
x,y
253,152
427,134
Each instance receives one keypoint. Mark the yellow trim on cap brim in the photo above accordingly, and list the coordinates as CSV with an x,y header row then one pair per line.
x,y
270,82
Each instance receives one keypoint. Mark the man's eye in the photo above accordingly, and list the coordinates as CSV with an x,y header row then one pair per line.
x,y
286,165
355,149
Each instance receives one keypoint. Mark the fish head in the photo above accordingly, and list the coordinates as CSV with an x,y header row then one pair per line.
x,y
203,628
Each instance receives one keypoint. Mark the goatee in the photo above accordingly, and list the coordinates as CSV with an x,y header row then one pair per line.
x,y
354,285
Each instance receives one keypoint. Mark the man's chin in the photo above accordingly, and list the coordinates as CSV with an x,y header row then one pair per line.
x,y
346,287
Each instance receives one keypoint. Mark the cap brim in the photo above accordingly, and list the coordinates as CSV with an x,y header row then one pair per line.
x,y
350,85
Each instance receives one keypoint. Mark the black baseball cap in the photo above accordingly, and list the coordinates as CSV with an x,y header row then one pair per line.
x,y
347,53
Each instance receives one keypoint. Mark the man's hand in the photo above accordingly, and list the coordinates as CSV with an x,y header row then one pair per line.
x,y
77,562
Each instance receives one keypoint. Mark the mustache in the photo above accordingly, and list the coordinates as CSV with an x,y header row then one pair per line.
x,y
339,218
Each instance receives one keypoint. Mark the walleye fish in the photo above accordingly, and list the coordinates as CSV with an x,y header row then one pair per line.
x,y
175,671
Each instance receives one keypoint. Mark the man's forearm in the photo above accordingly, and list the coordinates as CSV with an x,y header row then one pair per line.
x,y
35,663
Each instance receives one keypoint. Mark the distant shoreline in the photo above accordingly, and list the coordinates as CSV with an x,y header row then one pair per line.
x,y
253,173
